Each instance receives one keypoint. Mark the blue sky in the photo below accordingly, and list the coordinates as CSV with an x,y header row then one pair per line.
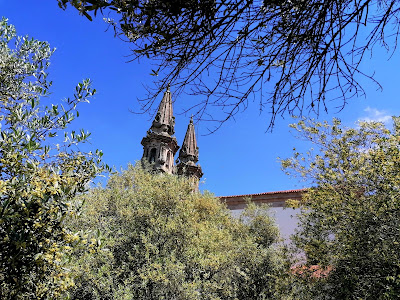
x,y
240,158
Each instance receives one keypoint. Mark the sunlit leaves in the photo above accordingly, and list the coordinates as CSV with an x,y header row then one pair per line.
x,y
160,240
350,220
38,179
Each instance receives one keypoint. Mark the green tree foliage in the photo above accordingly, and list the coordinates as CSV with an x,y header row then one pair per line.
x,y
350,221
38,179
153,238
287,54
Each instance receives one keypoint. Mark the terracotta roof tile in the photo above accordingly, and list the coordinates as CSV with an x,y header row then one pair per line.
x,y
313,271
267,193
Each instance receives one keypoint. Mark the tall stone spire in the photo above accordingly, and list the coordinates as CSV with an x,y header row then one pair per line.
x,y
159,146
189,156
189,152
164,122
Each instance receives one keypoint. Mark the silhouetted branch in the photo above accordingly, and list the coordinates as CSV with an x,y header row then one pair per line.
x,y
291,56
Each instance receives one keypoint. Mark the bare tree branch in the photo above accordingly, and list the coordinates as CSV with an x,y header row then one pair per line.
x,y
291,56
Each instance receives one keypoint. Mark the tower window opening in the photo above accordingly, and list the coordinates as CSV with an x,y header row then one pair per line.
x,y
152,157
168,159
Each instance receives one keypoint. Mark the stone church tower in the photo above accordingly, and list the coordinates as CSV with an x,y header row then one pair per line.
x,y
160,146
189,156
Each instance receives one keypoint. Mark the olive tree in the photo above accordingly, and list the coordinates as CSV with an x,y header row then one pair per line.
x,y
350,221
40,172
154,238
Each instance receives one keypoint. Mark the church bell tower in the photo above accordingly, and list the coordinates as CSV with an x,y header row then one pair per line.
x,y
189,156
159,145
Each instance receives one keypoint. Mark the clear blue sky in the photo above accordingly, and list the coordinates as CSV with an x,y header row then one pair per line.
x,y
240,158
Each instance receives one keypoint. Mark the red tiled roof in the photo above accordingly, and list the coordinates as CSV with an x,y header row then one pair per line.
x,y
267,193
313,271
